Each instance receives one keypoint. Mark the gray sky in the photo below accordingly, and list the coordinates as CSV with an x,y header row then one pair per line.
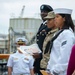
x,y
12,8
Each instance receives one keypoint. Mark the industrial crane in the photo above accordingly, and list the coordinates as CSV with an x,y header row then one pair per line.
x,y
22,12
6,56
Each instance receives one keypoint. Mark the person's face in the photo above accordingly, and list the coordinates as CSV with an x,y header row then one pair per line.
x,y
23,44
59,21
50,23
43,14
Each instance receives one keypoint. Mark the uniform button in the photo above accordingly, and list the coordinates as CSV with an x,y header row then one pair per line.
x,y
45,32
37,40
42,34
37,35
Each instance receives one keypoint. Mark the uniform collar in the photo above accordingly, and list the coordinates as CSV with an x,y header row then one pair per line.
x,y
44,22
53,30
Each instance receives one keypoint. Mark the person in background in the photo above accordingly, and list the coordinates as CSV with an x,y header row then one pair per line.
x,y
41,34
62,45
71,65
19,63
50,24
21,41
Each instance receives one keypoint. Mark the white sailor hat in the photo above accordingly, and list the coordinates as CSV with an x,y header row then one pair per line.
x,y
62,11
21,40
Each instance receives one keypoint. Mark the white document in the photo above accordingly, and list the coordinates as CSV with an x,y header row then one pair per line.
x,y
29,49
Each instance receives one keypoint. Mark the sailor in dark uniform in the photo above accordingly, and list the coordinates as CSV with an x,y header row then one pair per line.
x,y
41,34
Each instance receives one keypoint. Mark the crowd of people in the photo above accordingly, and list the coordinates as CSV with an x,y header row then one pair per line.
x,y
55,38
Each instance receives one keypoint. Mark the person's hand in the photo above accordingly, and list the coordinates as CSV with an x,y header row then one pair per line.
x,y
36,55
49,73
73,73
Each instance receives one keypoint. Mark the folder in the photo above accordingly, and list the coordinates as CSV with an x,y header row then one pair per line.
x,y
43,72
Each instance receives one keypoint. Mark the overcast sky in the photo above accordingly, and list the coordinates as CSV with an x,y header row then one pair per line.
x,y
12,8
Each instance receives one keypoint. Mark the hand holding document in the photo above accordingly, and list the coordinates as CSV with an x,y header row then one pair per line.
x,y
43,72
29,49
